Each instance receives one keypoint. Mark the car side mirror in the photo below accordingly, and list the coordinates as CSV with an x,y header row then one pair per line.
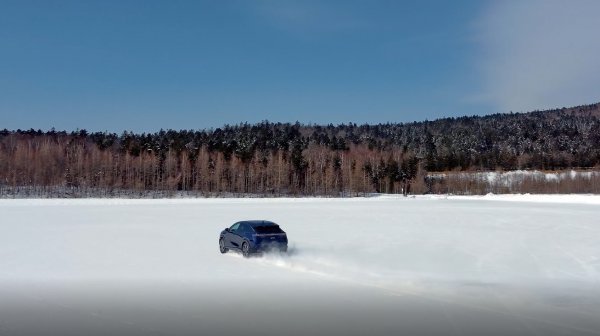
x,y
227,229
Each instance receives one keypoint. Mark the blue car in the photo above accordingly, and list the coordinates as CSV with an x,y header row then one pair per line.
x,y
253,236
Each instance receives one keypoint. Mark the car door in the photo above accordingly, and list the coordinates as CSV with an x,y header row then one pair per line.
x,y
240,235
231,237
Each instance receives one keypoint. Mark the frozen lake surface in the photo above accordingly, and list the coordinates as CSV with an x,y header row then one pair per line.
x,y
504,265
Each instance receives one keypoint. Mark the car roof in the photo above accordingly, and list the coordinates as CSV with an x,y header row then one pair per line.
x,y
255,223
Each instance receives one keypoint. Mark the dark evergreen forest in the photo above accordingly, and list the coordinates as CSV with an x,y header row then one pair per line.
x,y
292,158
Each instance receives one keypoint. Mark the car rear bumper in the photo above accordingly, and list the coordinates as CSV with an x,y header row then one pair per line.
x,y
270,246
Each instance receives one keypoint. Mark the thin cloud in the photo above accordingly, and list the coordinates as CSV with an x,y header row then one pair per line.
x,y
308,16
540,54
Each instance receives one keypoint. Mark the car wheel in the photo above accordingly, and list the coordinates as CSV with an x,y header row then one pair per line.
x,y
222,247
246,249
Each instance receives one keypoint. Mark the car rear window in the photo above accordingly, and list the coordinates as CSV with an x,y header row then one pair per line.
x,y
267,229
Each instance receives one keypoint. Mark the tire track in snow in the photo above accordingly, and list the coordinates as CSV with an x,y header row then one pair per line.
x,y
428,291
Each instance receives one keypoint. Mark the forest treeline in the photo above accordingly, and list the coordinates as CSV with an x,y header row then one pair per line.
x,y
285,158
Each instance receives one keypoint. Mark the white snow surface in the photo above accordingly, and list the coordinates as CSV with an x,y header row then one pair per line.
x,y
507,178
451,265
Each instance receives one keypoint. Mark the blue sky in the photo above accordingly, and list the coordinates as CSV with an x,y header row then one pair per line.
x,y
146,65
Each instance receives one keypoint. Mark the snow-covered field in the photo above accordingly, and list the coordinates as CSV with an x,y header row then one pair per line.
x,y
361,266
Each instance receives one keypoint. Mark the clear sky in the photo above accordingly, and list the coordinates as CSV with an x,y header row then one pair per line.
x,y
145,65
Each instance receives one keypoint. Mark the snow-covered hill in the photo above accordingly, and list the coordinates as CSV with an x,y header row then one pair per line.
x,y
516,181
